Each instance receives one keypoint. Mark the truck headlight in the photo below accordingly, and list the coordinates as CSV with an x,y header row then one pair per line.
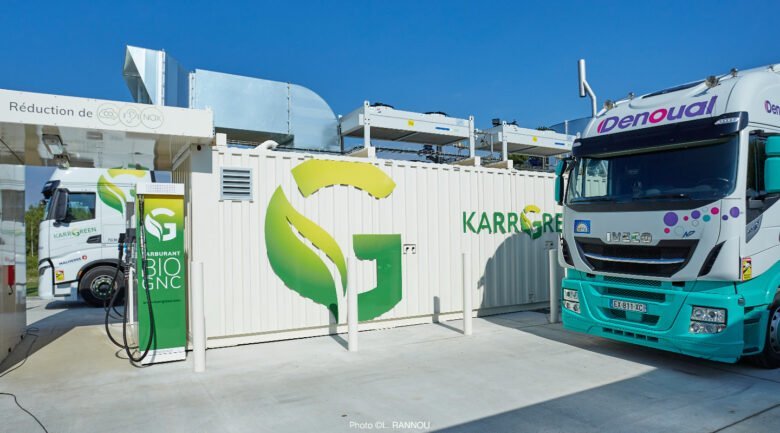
x,y
571,295
706,314
706,328
707,320
572,306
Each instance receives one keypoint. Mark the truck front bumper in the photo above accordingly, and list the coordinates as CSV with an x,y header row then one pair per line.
x,y
665,325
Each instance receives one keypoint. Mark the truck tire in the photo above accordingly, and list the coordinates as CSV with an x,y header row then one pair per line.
x,y
95,285
770,356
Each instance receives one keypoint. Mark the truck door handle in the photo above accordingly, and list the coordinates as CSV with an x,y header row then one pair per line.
x,y
95,239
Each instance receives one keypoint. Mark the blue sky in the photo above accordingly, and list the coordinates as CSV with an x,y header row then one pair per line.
x,y
491,59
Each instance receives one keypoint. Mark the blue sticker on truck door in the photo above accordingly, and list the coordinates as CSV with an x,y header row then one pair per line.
x,y
582,226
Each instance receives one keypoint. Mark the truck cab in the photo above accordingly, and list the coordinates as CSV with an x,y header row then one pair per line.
x,y
79,235
671,234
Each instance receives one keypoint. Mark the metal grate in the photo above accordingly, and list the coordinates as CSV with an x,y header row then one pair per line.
x,y
645,319
633,281
236,184
630,335
635,294
636,259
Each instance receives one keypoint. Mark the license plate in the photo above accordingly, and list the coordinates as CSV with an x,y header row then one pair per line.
x,y
629,306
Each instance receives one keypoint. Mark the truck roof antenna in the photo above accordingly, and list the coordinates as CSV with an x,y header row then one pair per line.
x,y
585,87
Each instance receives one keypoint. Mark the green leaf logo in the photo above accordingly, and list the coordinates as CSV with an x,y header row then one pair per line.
x,y
298,266
302,270
112,195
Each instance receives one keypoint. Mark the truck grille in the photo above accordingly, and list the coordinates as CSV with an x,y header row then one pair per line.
x,y
630,334
632,281
662,260
635,294
645,319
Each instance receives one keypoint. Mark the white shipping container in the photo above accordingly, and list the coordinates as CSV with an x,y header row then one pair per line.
x,y
439,212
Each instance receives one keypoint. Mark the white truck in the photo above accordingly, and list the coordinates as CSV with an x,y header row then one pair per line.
x,y
77,253
672,219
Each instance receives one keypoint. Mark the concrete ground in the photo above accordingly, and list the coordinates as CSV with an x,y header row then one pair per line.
x,y
515,374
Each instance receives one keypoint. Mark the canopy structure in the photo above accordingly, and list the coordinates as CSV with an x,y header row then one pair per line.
x,y
382,122
43,129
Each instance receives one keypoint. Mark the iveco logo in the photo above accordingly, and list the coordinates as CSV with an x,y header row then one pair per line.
x,y
629,237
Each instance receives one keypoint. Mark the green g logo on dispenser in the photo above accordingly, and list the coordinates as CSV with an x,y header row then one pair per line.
x,y
300,267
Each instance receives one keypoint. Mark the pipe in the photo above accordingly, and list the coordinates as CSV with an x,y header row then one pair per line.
x,y
352,307
472,138
504,144
467,300
555,288
198,318
585,87
268,145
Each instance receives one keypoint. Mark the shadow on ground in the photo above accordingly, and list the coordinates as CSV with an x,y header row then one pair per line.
x,y
50,320
617,349
672,386
723,401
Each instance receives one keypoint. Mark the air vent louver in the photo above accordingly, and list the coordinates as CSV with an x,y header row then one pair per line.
x,y
236,184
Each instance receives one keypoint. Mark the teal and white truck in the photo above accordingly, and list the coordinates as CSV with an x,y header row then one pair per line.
x,y
671,219
77,252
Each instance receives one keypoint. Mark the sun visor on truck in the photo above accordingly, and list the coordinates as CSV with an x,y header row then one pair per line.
x,y
49,187
711,128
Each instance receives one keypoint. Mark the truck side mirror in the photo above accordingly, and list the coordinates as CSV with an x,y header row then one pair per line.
x,y
61,205
559,185
772,165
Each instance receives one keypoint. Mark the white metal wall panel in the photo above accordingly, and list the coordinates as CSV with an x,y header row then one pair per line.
x,y
246,301
13,294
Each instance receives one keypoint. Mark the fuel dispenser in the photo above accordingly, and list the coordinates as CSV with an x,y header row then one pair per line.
x,y
152,277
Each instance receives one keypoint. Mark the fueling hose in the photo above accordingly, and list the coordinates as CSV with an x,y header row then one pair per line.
x,y
115,292
145,278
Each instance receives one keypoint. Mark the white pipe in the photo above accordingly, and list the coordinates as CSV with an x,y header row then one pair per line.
x,y
366,126
198,318
268,145
472,138
592,95
467,300
555,288
352,306
504,150
585,87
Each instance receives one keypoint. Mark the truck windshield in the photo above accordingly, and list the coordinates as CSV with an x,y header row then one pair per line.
x,y
692,171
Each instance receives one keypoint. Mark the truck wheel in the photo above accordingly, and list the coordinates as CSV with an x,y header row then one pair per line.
x,y
95,285
770,357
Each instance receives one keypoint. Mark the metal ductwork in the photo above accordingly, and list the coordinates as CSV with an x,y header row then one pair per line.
x,y
248,110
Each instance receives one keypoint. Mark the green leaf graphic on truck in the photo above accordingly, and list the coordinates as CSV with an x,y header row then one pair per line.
x,y
301,268
112,195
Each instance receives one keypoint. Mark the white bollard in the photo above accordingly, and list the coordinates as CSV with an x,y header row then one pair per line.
x,y
352,306
467,300
555,286
198,318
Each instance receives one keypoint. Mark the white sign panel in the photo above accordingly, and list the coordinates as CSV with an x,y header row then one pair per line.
x,y
66,111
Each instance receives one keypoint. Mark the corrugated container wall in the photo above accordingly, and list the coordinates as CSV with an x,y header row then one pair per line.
x,y
263,255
